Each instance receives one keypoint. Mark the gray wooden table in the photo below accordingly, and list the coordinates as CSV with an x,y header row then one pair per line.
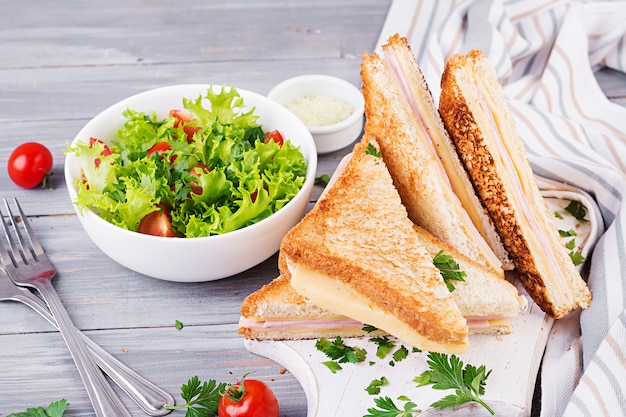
x,y
61,63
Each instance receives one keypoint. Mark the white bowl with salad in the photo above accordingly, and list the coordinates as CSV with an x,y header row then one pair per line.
x,y
191,183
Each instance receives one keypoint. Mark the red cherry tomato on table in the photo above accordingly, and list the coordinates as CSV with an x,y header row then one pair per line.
x,y
29,164
254,399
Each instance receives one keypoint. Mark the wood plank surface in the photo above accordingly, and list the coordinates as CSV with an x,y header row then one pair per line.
x,y
62,62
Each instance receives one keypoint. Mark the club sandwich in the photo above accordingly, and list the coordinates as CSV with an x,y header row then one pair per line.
x,y
478,118
421,158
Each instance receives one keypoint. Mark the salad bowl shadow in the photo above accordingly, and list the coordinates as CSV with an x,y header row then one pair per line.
x,y
196,259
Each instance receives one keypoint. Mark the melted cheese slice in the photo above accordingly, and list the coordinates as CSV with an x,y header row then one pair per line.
x,y
334,295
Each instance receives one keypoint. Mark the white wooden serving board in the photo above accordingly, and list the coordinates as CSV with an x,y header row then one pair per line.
x,y
513,359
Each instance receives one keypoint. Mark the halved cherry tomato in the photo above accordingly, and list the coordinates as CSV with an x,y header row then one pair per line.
x,y
159,147
183,118
275,136
253,399
158,223
29,164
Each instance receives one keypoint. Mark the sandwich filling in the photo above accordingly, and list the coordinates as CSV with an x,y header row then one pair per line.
x,y
438,148
537,238
335,295
295,325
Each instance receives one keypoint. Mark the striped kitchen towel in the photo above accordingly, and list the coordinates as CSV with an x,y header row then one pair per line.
x,y
546,53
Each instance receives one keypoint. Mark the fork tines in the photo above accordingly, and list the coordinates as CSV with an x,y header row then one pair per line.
x,y
17,241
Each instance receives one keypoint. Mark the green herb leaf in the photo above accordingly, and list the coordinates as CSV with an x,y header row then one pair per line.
x,y
340,352
567,233
374,387
558,215
371,150
202,398
570,244
385,345
576,257
577,210
333,366
400,354
55,409
447,372
449,269
179,325
369,328
387,408
322,180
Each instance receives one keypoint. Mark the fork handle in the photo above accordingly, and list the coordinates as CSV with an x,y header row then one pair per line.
x,y
149,397
103,398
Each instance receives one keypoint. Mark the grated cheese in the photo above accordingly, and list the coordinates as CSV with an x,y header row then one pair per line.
x,y
320,110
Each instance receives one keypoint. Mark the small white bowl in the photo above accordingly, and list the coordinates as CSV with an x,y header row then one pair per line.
x,y
204,258
328,138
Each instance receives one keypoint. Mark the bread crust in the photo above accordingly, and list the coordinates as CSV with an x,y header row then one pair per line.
x,y
359,233
458,106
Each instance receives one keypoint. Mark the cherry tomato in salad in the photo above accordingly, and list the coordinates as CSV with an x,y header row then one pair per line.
x,y
158,223
184,118
253,399
29,165
159,147
275,136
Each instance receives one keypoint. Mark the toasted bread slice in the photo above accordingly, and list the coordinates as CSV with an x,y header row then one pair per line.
x,y
426,169
356,254
476,114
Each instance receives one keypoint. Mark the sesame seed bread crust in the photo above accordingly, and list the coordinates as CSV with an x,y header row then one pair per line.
x,y
359,234
468,127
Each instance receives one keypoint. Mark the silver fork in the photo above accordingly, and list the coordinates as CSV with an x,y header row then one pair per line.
x,y
27,264
150,398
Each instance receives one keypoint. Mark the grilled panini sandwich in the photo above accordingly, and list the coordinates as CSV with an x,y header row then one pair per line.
x,y
356,254
422,160
477,116
278,312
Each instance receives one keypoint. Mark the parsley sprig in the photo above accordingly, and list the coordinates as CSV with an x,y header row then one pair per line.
x,y
374,387
55,409
202,398
385,407
579,212
372,150
449,269
447,372
339,352
576,209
